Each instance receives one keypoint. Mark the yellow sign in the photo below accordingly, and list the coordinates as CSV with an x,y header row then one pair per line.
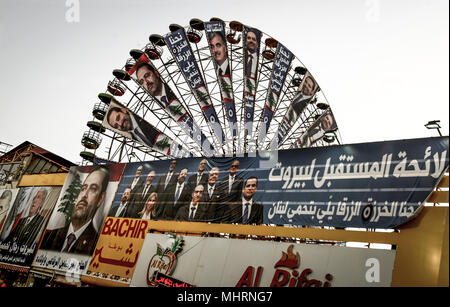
x,y
117,251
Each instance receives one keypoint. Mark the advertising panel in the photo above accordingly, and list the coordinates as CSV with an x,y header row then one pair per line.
x,y
218,262
182,53
215,33
251,44
7,198
122,120
74,225
325,123
305,94
25,223
281,64
117,251
368,185
149,78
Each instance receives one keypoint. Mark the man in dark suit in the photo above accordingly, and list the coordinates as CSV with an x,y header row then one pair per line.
x,y
122,119
167,179
125,208
150,79
28,227
175,197
144,191
252,39
305,95
212,197
219,52
198,178
232,184
247,211
79,236
136,184
194,211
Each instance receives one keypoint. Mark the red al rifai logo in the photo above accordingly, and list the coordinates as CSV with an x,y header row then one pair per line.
x,y
286,273
164,261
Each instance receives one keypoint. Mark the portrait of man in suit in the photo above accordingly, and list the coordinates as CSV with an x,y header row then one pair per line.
x,y
232,184
251,55
124,120
124,209
150,79
79,236
212,197
167,179
200,177
175,197
219,51
27,228
194,211
144,191
5,201
137,183
305,95
246,210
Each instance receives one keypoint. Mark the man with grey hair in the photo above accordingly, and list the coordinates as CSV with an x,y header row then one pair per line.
x,y
5,200
28,227
212,196
176,196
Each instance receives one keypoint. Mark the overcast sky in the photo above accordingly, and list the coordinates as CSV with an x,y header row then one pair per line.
x,y
382,64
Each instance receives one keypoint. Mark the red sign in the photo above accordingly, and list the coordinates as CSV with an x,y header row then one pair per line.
x,y
284,277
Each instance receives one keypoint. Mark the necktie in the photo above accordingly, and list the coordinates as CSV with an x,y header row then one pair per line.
x,y
245,216
191,217
145,190
210,190
199,177
70,239
167,179
177,194
143,138
124,210
249,66
231,184
220,72
164,100
119,210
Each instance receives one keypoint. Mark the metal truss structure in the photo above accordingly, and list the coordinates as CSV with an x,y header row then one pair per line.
x,y
102,145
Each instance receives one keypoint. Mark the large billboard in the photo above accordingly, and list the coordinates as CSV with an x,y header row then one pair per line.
x,y
325,123
7,198
368,185
115,256
183,261
77,218
305,95
24,224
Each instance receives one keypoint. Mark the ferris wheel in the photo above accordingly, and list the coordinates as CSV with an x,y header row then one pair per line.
x,y
213,88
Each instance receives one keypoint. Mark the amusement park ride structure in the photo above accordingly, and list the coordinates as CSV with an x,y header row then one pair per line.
x,y
101,144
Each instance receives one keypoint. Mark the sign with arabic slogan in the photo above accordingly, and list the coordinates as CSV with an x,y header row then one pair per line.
x,y
281,64
182,53
115,256
370,185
